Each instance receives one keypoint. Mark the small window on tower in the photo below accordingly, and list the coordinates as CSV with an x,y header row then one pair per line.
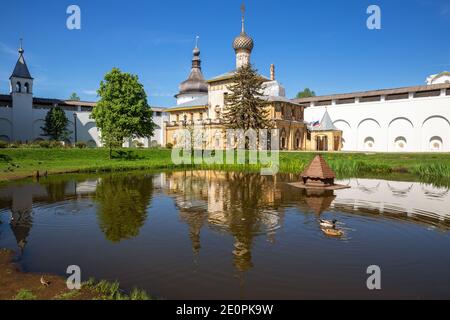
x,y
18,87
27,87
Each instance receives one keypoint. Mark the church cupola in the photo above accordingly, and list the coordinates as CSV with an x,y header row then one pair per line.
x,y
20,79
243,45
195,86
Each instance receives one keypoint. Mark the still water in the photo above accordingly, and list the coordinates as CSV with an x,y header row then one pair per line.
x,y
223,235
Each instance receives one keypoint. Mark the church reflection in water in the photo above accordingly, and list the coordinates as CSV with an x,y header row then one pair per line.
x,y
243,206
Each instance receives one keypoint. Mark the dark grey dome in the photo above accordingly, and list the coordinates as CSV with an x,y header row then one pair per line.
x,y
195,83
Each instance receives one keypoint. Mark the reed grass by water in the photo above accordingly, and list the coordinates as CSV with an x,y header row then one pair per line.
x,y
20,163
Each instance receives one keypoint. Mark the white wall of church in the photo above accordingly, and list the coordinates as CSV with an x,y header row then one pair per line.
x,y
407,125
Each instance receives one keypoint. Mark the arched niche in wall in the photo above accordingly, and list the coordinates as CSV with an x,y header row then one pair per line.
x,y
369,135
5,128
401,135
5,138
435,134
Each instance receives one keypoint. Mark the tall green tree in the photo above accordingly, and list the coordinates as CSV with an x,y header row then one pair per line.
x,y
74,97
55,126
245,106
306,93
122,111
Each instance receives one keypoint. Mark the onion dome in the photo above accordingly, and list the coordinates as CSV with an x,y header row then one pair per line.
x,y
195,83
243,41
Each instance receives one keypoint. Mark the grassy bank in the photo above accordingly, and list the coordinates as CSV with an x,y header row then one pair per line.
x,y
24,162
17,285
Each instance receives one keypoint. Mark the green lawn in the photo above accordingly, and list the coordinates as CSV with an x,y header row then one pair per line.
x,y
24,162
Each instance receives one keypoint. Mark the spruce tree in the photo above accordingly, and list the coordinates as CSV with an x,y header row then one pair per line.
x,y
245,108
55,126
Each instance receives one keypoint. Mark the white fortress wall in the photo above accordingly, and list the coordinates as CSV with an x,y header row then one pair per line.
x,y
405,125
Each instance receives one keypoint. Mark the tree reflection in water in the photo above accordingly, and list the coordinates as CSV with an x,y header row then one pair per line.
x,y
123,203
239,204
21,223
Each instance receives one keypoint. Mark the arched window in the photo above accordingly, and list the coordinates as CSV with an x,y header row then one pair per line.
x,y
297,140
27,87
436,143
400,143
18,87
369,142
283,139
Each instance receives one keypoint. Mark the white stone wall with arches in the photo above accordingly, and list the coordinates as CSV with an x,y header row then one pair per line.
x,y
5,129
405,125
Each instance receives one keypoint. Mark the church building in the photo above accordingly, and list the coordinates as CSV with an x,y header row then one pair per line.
x,y
408,119
201,104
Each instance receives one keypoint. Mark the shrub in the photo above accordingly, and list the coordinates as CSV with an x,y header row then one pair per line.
x,y
44,144
3,144
56,144
15,145
140,145
25,294
169,146
154,144
81,145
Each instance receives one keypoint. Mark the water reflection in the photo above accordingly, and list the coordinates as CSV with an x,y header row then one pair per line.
x,y
238,204
122,205
261,227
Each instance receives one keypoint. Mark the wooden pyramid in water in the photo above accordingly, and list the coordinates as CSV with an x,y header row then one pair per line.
x,y
318,173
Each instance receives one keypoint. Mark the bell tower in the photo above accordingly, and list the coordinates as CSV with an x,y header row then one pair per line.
x,y
21,89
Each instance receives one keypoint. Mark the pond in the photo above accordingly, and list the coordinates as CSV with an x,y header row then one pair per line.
x,y
225,235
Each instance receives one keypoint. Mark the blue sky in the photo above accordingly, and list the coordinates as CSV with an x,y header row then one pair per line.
x,y
324,45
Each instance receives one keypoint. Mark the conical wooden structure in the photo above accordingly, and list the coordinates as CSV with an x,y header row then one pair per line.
x,y
318,174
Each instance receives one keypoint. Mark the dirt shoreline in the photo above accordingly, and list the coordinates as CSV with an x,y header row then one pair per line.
x,y
18,285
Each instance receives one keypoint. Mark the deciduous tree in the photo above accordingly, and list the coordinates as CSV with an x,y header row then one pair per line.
x,y
122,111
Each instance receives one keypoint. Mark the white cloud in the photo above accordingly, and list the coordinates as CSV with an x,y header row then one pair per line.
x,y
161,94
90,92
